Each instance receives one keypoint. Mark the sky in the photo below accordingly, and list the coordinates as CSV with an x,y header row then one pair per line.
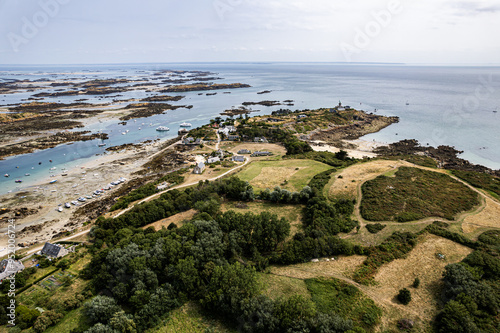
x,y
132,31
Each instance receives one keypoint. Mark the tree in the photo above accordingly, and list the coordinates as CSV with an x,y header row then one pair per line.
x,y
404,296
416,282
122,323
101,309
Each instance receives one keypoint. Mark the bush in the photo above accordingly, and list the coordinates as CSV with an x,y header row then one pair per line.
x,y
416,282
375,228
404,296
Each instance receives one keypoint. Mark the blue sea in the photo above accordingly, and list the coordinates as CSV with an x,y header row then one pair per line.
x,y
436,105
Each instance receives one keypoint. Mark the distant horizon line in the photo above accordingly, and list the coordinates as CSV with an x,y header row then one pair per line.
x,y
266,62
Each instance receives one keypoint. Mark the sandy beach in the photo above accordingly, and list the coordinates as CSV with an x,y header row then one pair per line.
x,y
81,180
363,148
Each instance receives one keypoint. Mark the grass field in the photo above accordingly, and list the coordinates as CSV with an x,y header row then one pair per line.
x,y
413,194
72,320
275,286
293,213
292,175
335,296
345,183
190,319
421,262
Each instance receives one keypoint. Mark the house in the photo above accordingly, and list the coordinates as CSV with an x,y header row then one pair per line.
x,y
238,158
213,160
54,250
198,141
300,116
261,153
230,128
274,120
162,186
188,141
244,151
233,137
198,169
9,267
260,139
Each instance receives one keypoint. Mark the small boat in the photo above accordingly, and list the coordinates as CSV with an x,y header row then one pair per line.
x,y
59,209
39,163
74,202
185,125
53,181
53,168
18,181
27,174
123,133
162,129
101,145
67,205
407,103
50,161
6,175
64,174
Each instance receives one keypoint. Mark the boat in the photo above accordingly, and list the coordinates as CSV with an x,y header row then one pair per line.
x,y
27,174
101,145
407,103
74,202
123,133
6,175
53,168
18,181
53,181
162,129
185,125
59,209
67,205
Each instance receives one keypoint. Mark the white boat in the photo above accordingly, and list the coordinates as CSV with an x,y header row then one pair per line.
x,y
185,125
67,205
101,145
6,175
123,133
60,209
27,174
162,129
53,181
53,168
74,202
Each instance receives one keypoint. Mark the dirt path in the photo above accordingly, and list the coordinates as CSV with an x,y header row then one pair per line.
x,y
156,195
365,289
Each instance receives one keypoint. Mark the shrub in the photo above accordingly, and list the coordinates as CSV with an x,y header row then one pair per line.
x,y
374,228
416,282
404,296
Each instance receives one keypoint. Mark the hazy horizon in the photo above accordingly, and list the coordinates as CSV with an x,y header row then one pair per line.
x,y
437,32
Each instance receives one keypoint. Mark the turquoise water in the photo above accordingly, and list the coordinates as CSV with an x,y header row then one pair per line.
x,y
447,105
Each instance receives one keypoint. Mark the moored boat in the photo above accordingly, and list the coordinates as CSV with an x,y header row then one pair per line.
x,y
185,124
162,129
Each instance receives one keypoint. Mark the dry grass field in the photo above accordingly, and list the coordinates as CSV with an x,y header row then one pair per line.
x,y
342,266
421,262
488,217
177,219
347,185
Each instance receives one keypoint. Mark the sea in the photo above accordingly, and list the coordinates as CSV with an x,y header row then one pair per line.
x,y
437,105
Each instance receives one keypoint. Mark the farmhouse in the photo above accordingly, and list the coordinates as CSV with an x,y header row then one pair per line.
x,y
54,250
213,160
233,137
162,186
198,169
238,158
244,151
9,267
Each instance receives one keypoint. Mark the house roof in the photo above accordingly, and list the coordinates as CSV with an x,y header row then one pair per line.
x,y
201,165
51,249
